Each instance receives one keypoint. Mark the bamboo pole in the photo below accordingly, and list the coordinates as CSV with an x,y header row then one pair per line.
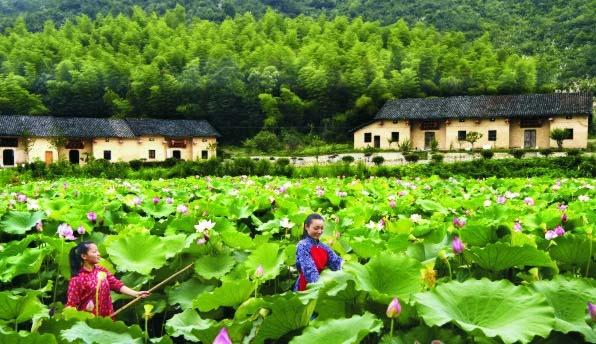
x,y
152,289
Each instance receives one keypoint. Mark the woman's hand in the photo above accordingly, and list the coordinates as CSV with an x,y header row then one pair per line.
x,y
142,294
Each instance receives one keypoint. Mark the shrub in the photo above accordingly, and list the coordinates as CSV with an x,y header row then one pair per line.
x,y
487,154
135,164
378,160
405,146
264,141
573,152
411,157
348,159
546,151
282,162
437,158
517,153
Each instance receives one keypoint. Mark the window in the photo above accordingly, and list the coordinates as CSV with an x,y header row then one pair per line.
x,y
492,135
107,155
204,154
395,136
568,117
176,154
492,119
462,120
569,132
367,137
461,135
107,140
152,154
9,142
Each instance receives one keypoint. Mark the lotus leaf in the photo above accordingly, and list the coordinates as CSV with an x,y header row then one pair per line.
x,y
20,308
183,324
141,252
231,293
185,292
502,256
268,256
214,266
340,331
19,222
572,250
29,338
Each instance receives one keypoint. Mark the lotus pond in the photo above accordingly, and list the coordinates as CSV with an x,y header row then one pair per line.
x,y
489,261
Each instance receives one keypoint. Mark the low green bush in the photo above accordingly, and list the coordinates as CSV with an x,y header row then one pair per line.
x,y
487,154
378,160
436,158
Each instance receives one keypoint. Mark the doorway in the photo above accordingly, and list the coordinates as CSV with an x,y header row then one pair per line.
x,y
176,154
530,138
73,156
8,157
49,157
377,140
429,137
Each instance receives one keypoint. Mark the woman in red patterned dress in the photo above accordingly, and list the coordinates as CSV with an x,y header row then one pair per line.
x,y
90,284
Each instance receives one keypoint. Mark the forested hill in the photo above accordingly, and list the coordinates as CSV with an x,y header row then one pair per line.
x,y
562,29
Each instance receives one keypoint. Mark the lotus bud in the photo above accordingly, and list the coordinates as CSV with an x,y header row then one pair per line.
x,y
155,200
394,308
529,201
564,217
222,337
392,203
517,226
81,230
457,245
182,209
91,216
148,310
259,271
559,231
39,226
501,199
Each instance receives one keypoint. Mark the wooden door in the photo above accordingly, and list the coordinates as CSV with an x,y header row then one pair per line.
x,y
49,157
530,138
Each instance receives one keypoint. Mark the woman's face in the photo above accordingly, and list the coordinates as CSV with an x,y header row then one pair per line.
x,y
92,256
315,229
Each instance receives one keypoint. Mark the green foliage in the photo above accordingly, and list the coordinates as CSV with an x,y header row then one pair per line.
x,y
378,160
487,153
411,157
472,137
517,153
558,135
437,157
348,159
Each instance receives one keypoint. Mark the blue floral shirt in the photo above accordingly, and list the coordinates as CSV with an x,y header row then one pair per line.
x,y
306,264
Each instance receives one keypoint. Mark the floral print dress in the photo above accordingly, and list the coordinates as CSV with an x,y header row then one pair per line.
x,y
90,291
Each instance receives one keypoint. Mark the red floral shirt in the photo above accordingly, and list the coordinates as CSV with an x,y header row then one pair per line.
x,y
85,294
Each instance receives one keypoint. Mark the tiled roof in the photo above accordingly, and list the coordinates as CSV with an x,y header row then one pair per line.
x,y
171,128
87,127
527,105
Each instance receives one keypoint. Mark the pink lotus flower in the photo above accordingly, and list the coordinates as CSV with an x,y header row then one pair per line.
x,y
137,200
459,223
341,193
81,230
65,232
392,203
91,216
562,207
487,203
201,241
182,209
501,199
222,337
21,198
402,193
517,226
559,231
155,200
394,308
529,201
592,311
549,235
39,226
457,245
169,200
583,198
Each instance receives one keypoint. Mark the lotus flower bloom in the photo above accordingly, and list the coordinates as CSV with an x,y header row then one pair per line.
x,y
457,245
487,203
592,311
21,198
517,226
222,337
583,198
32,204
169,200
39,226
91,216
81,230
529,201
137,200
427,187
374,225
392,203
394,308
416,218
182,209
65,232
155,200
259,271
562,207
319,191
341,193
234,192
402,193
511,195
201,241
559,231
501,199
459,223
285,223
549,235
204,225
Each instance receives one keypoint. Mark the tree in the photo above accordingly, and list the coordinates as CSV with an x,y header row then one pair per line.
x,y
559,135
472,137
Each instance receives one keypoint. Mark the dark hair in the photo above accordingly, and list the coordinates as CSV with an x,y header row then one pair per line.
x,y
308,221
76,261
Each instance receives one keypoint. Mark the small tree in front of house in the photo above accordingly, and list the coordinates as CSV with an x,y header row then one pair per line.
x,y
212,148
558,135
472,137
57,141
28,142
